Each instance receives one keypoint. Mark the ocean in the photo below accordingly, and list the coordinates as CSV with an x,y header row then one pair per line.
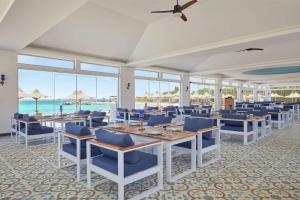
x,y
48,107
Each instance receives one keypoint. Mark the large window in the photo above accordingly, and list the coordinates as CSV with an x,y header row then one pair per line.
x,y
144,73
202,94
72,91
156,93
248,94
286,93
47,62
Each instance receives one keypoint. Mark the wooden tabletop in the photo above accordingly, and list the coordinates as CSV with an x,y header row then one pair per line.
x,y
166,135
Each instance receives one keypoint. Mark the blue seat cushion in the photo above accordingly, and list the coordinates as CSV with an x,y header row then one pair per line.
x,y
257,112
120,140
18,115
110,164
42,130
71,149
233,123
205,143
77,130
236,128
159,119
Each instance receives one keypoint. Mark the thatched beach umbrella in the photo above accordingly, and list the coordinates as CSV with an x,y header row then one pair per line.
x,y
22,94
36,95
78,95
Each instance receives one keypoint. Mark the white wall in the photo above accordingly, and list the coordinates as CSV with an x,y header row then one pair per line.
x,y
9,91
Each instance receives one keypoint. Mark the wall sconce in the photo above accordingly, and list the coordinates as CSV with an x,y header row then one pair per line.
x,y
220,90
187,88
2,79
128,86
242,91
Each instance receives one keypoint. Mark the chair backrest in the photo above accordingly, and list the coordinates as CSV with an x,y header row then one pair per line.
x,y
257,112
195,124
169,108
120,140
222,111
159,119
32,126
235,115
18,115
152,108
84,112
197,114
98,114
77,130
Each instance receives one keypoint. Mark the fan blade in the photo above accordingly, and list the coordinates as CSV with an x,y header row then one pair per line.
x,y
188,4
183,17
162,11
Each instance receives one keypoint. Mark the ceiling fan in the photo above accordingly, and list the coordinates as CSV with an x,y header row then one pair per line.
x,y
177,11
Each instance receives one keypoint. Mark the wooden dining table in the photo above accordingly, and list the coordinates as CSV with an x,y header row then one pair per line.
x,y
169,136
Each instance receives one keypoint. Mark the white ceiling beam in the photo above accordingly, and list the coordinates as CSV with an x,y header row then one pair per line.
x,y
216,45
5,5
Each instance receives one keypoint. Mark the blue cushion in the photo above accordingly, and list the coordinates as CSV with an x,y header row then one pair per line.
x,y
159,119
97,124
169,108
152,108
42,130
121,140
71,149
110,164
84,112
236,128
257,112
18,115
197,114
234,116
222,111
77,130
194,124
233,123
32,126
205,143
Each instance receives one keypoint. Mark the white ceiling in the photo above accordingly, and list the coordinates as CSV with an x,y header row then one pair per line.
x,y
126,31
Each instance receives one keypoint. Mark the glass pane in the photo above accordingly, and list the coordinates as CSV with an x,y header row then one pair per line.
x,y
141,93
202,94
65,93
86,92
42,61
248,95
195,79
107,92
210,81
99,68
171,76
225,83
169,93
41,83
143,73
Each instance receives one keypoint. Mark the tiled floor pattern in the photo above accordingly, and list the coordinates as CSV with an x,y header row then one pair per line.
x,y
269,169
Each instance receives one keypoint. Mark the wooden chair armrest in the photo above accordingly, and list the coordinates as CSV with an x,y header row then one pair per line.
x,y
208,129
124,149
83,137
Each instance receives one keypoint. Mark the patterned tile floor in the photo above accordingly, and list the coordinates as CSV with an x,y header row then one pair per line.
x,y
269,169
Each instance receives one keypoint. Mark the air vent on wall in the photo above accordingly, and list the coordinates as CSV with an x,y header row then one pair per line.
x,y
251,49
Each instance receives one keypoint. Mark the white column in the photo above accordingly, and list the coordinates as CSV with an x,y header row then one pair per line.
x,y
267,94
185,90
255,93
218,94
9,90
240,90
126,88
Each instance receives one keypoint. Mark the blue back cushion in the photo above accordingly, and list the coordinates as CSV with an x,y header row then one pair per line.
x,y
194,124
159,119
227,111
197,114
77,130
32,126
98,114
121,140
257,112
152,108
234,116
18,116
84,112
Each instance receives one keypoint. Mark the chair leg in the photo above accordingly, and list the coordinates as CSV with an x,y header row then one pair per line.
x,y
26,142
245,139
121,191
